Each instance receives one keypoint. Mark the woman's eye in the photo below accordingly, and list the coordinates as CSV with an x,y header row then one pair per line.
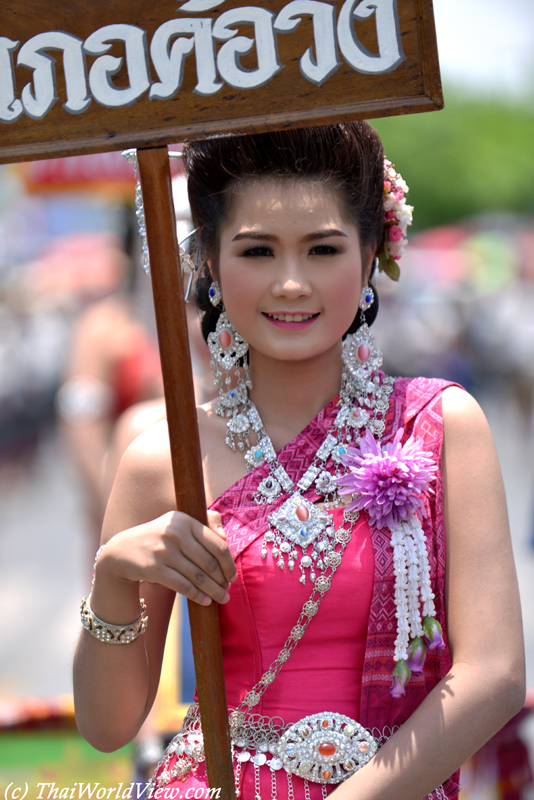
x,y
323,250
258,252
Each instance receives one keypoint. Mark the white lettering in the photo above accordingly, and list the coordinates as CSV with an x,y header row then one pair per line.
x,y
39,96
388,34
228,57
90,792
10,108
169,60
325,62
104,90
101,793
200,6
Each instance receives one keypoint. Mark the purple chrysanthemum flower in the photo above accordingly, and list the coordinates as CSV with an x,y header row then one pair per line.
x,y
387,482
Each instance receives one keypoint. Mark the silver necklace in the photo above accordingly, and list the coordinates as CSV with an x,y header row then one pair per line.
x,y
298,530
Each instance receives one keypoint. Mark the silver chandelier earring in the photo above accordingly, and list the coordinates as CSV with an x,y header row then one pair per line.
x,y
360,355
228,351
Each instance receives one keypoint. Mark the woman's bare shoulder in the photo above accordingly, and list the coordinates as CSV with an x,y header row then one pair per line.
x,y
143,487
463,418
146,466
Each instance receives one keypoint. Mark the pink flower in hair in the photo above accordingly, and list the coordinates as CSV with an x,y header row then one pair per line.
x,y
389,201
387,187
395,233
390,215
397,249
387,481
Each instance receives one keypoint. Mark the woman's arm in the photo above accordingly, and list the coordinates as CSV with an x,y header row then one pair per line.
x,y
486,684
115,685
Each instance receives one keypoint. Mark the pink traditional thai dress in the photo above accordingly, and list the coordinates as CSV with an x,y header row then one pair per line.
x,y
344,661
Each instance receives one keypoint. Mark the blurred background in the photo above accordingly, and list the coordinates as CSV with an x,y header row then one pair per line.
x,y
70,276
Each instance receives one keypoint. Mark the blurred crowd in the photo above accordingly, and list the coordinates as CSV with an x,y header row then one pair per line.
x,y
462,310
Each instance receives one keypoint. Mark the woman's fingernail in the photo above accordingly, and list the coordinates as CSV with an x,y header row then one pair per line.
x,y
233,578
225,598
206,601
227,587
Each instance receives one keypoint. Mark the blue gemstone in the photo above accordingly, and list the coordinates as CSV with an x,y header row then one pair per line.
x,y
232,394
212,292
368,298
258,454
290,748
303,531
341,451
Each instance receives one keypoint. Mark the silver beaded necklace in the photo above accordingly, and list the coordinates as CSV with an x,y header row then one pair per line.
x,y
299,532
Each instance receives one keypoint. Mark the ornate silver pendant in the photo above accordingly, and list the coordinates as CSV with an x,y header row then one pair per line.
x,y
300,522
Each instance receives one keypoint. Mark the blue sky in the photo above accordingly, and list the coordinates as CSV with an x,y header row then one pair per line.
x,y
487,46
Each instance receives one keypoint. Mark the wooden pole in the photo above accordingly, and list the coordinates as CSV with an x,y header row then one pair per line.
x,y
167,284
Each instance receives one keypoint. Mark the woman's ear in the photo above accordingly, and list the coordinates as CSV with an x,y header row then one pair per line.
x,y
211,269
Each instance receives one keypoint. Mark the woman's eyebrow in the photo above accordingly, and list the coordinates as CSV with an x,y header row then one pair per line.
x,y
323,234
271,238
254,235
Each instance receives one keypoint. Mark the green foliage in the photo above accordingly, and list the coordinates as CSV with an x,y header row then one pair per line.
x,y
473,156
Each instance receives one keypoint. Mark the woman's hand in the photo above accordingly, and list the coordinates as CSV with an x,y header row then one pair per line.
x,y
174,551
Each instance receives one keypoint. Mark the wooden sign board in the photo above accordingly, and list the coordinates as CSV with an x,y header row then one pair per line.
x,y
81,77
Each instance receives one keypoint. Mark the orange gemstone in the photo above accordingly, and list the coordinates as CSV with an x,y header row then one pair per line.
x,y
363,747
327,774
325,723
327,749
302,513
364,352
225,338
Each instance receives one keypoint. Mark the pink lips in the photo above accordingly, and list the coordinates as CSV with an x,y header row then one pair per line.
x,y
294,326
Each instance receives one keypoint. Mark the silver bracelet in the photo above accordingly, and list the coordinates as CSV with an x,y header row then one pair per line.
x,y
113,634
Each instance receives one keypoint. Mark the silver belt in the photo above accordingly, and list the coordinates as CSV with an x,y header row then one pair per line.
x,y
323,748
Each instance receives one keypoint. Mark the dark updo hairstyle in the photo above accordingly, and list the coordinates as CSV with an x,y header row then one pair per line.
x,y
348,157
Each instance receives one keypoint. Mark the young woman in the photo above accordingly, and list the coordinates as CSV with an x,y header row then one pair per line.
x,y
358,542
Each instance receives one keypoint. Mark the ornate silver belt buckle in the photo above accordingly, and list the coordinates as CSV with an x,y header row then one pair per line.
x,y
326,748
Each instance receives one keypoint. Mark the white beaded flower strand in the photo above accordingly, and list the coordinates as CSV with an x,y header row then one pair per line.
x,y
387,482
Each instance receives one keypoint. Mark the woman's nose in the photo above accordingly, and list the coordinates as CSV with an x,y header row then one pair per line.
x,y
292,281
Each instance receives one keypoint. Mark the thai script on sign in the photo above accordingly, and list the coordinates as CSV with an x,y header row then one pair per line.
x,y
176,39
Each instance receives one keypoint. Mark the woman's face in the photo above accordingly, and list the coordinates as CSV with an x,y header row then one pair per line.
x,y
290,268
